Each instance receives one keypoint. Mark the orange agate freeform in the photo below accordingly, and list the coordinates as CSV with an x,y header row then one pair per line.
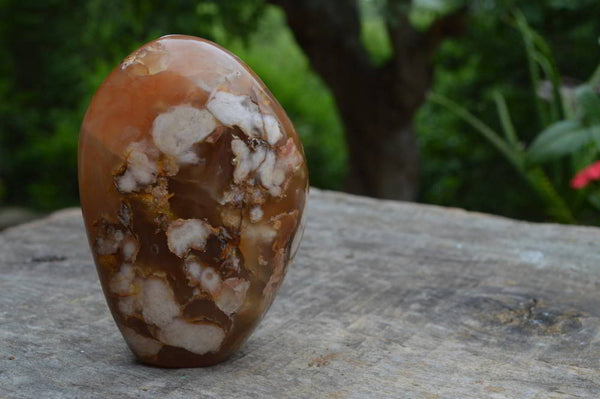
x,y
193,185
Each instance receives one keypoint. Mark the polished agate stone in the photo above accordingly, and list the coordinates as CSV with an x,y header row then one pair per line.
x,y
193,186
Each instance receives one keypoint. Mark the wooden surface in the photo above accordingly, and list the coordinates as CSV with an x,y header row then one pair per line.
x,y
385,300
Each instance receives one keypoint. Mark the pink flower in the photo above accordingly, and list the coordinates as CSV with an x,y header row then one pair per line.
x,y
594,171
586,175
579,181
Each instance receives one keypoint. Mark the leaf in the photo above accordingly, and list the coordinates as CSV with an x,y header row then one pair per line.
x,y
534,73
540,59
507,125
595,133
559,139
512,155
589,104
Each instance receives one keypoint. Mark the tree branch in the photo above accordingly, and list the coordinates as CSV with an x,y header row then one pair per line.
x,y
410,68
406,39
450,25
329,34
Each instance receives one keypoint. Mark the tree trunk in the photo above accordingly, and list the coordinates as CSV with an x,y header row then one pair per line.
x,y
383,168
382,146
376,104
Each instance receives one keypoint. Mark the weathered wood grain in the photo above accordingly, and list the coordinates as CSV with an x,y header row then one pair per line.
x,y
385,300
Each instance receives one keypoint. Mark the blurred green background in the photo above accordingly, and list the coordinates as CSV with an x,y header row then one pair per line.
x,y
56,53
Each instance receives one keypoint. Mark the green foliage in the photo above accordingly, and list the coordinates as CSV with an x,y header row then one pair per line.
x,y
559,137
535,176
487,63
57,52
